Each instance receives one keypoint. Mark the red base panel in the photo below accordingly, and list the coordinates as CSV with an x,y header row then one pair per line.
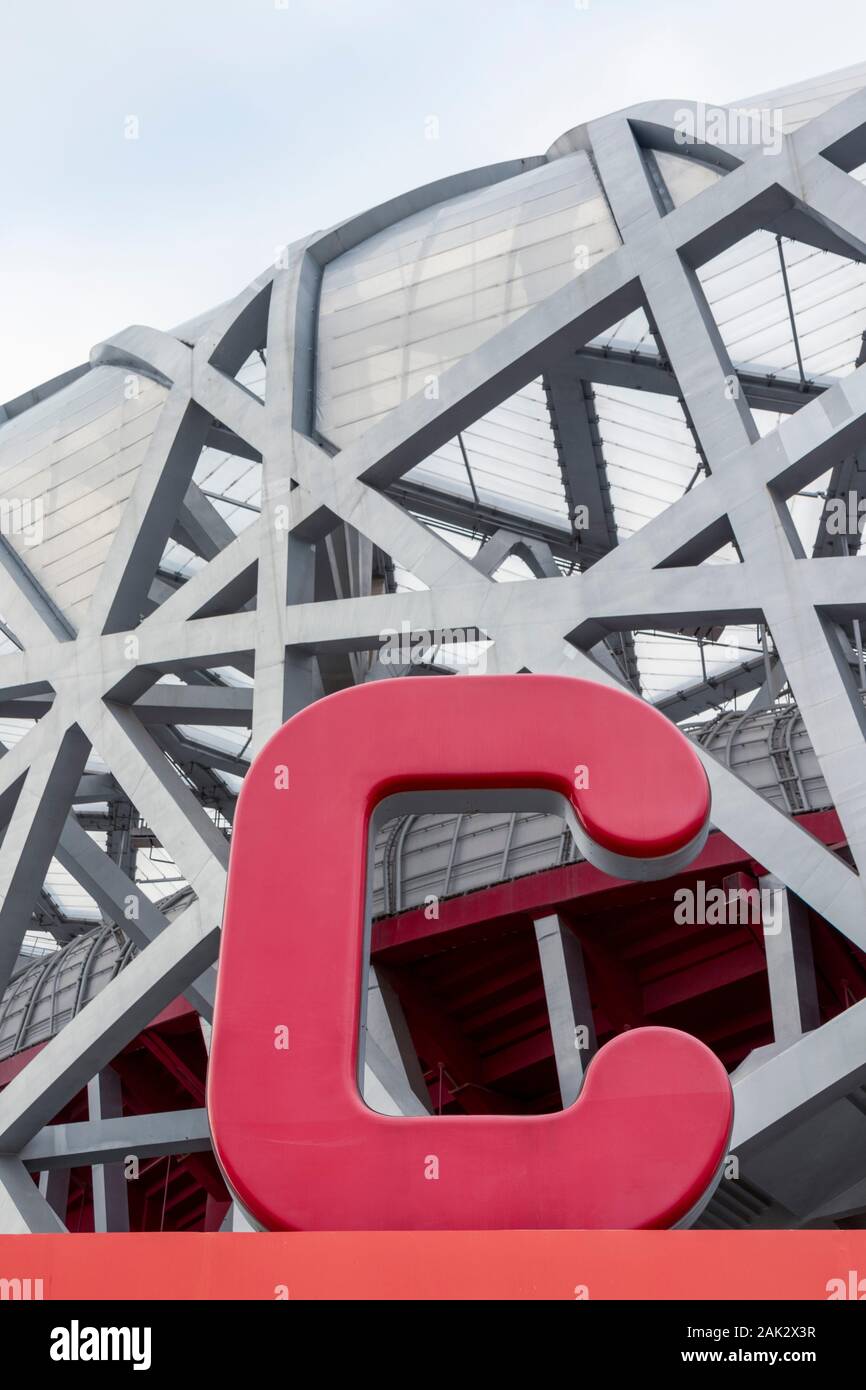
x,y
568,1265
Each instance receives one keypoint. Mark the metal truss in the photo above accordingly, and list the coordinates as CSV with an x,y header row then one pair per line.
x,y
94,686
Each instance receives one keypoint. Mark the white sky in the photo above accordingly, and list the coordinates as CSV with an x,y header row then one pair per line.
x,y
262,120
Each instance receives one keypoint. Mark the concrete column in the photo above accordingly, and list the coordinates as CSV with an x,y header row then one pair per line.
x,y
790,967
54,1187
110,1197
235,1220
568,1003
393,1080
23,1209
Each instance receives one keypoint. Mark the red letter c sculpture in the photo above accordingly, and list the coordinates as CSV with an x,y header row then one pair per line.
x,y
643,1143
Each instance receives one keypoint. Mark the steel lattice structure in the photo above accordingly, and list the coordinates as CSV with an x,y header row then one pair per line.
x,y
88,670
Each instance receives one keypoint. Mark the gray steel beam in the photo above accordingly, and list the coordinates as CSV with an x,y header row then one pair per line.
x,y
95,1035
802,1080
389,1052
166,803
451,510
581,459
60,1147
571,403
347,573
186,752
23,1209
790,966
848,477
123,902
147,520
568,1003
110,1199
199,765
200,527
285,681
54,1187
715,691
35,394
772,685
536,555
834,1137
45,791
843,1205
27,607
640,371
237,1220
759,519
226,441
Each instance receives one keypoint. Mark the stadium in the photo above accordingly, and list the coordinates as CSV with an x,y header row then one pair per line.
x,y
598,412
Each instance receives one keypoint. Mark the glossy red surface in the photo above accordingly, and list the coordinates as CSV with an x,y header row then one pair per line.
x,y
300,1148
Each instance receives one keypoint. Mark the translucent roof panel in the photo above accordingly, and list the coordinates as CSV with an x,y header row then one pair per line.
x,y
649,451
217,738
668,663
72,902
253,374
38,943
234,486
13,730
803,101
684,178
746,291
157,874
631,334
513,460
412,299
806,508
